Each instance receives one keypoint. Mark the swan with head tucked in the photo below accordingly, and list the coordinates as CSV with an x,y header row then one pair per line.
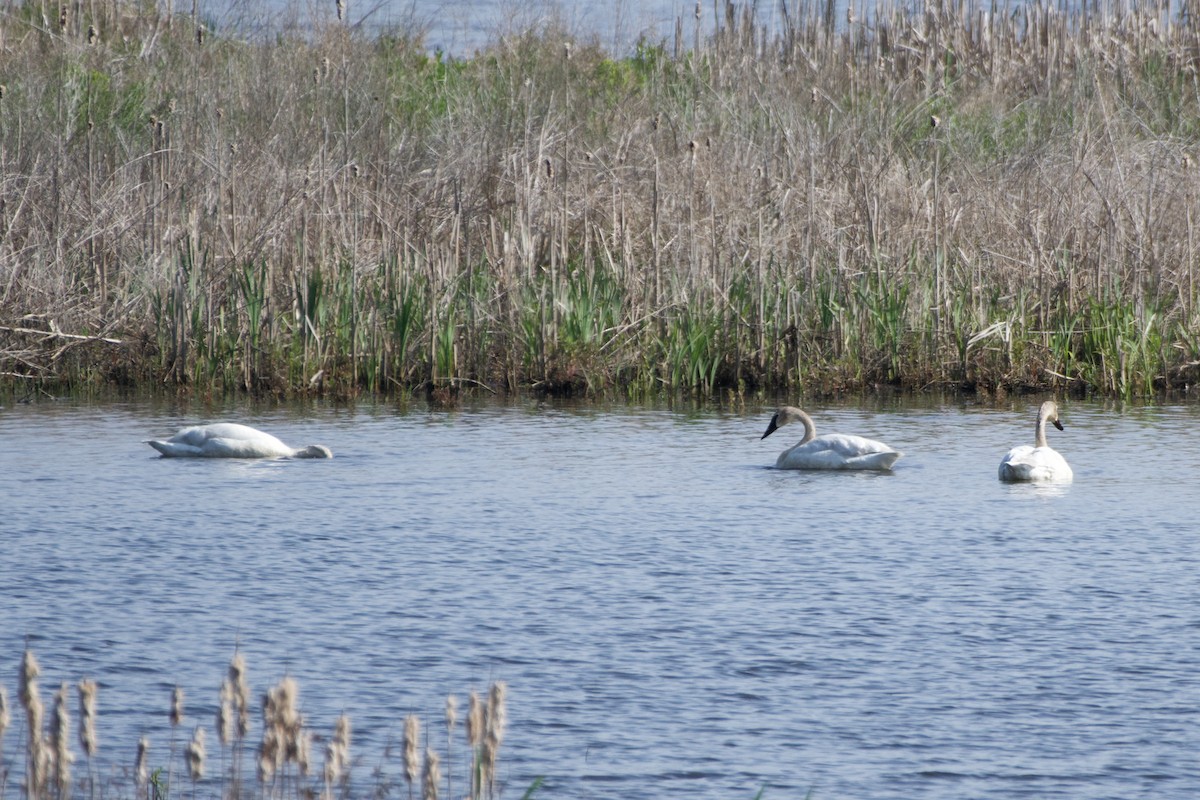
x,y
830,451
230,440
1039,462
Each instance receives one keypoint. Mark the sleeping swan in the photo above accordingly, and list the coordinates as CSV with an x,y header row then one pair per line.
x,y
831,451
230,440
1040,462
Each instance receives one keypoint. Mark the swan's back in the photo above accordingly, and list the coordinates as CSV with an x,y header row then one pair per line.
x,y
1040,464
839,451
231,440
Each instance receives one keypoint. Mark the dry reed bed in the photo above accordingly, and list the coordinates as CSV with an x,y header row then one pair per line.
x,y
934,197
284,764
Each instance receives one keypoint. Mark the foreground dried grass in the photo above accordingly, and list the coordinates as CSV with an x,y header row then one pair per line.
x,y
284,764
932,197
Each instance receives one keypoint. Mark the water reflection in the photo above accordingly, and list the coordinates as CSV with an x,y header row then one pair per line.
x,y
1036,491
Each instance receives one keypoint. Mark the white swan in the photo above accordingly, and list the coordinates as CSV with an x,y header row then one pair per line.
x,y
1040,462
230,440
831,451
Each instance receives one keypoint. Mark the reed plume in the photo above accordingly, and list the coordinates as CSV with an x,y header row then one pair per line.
x,y
475,727
141,768
303,756
196,754
283,735
225,713
38,765
176,718
337,756
60,742
27,679
176,706
475,738
241,693
451,720
5,715
432,776
451,714
87,717
494,722
412,766
286,740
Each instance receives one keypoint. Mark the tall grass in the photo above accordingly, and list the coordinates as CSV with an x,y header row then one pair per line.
x,y
929,196
275,755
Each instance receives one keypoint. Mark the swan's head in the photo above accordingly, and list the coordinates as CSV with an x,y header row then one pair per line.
x,y
772,426
1049,413
784,416
314,451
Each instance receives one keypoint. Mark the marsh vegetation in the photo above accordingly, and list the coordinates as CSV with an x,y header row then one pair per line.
x,y
940,197
249,749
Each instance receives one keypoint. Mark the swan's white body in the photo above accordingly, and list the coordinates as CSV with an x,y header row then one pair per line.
x,y
1040,462
830,451
230,440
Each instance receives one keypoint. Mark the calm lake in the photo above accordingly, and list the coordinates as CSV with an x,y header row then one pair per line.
x,y
672,616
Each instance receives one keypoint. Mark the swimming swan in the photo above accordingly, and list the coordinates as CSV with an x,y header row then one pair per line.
x,y
1040,462
230,440
831,451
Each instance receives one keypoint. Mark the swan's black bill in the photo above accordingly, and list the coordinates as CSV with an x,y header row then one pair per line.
x,y
770,428
1058,425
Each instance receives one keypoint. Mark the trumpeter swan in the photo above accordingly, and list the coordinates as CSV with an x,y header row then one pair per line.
x,y
1039,462
830,451
230,440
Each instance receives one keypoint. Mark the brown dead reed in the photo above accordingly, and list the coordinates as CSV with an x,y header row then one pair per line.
x,y
748,209
412,760
88,738
283,756
60,742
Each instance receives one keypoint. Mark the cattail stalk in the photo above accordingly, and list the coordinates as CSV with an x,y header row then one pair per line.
x,y
141,769
176,719
87,717
431,777
451,719
495,719
87,725
60,742
475,731
241,693
195,755
176,706
337,756
283,730
412,767
5,718
38,764
225,714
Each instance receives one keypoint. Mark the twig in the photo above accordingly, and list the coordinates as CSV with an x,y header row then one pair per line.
x,y
60,335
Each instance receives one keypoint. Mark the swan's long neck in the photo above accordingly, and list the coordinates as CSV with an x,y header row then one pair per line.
x,y
810,430
1040,439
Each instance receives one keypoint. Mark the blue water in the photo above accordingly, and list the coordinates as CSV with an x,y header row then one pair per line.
x,y
672,617
459,27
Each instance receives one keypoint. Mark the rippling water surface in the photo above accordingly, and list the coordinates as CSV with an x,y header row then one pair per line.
x,y
673,617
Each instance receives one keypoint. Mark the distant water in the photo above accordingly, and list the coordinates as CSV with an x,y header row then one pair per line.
x,y
459,27
673,617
